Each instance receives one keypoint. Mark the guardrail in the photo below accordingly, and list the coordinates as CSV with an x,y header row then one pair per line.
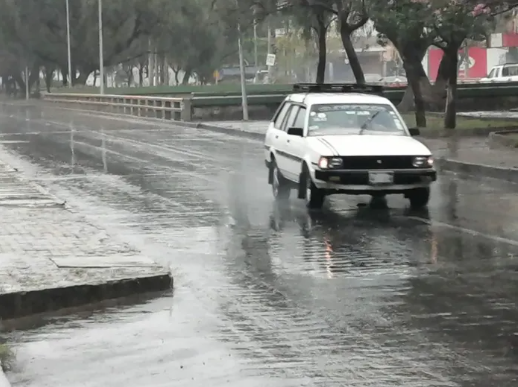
x,y
478,96
178,109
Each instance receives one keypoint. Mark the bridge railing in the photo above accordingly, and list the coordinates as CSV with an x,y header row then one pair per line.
x,y
177,109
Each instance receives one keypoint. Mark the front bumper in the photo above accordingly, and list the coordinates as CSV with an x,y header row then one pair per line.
x,y
358,180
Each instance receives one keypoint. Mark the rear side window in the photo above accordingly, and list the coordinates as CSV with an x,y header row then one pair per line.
x,y
511,71
281,113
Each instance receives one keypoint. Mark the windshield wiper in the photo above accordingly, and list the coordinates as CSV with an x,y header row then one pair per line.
x,y
368,121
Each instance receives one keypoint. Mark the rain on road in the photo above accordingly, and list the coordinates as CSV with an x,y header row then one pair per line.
x,y
268,295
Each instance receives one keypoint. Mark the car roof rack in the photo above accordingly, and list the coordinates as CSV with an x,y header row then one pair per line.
x,y
337,88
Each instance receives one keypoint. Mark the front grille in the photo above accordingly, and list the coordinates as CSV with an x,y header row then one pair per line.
x,y
378,162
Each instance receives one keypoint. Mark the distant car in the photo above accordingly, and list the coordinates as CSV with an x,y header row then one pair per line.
x,y
345,139
502,73
395,81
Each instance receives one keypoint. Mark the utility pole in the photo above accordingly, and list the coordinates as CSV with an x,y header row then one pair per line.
x,y
101,48
69,52
244,98
256,61
27,83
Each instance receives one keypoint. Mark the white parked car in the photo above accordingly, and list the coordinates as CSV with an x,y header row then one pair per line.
x,y
345,139
502,73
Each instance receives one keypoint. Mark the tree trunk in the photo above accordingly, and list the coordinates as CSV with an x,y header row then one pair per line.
x,y
354,62
321,31
49,75
416,79
64,77
187,76
439,88
151,69
141,75
450,113
83,76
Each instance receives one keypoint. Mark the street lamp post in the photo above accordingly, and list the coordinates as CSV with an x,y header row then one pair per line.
x,y
101,48
244,98
256,60
69,54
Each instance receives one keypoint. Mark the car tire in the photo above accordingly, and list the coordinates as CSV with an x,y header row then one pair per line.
x,y
280,186
419,197
315,197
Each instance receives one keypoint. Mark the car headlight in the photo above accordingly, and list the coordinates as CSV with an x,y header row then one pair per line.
x,y
330,162
423,162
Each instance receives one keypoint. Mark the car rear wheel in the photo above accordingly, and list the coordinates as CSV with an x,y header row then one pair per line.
x,y
419,197
280,186
315,197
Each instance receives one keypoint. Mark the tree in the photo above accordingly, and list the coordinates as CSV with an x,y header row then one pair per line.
x,y
454,21
39,26
405,24
314,20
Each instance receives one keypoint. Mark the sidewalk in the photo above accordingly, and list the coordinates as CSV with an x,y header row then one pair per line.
x,y
52,258
470,155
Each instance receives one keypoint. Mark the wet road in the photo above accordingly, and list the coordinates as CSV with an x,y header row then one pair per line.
x,y
353,296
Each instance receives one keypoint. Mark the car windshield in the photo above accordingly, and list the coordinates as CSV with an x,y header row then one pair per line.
x,y
339,119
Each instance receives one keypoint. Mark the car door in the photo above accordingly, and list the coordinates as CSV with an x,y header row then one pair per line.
x,y
275,135
284,157
296,145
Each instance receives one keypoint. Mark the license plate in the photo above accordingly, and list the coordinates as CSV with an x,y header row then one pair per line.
x,y
378,178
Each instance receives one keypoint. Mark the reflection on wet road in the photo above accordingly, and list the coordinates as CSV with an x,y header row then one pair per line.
x,y
269,295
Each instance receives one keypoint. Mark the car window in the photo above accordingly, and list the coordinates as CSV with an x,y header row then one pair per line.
x,y
292,115
343,119
281,114
512,71
301,118
492,73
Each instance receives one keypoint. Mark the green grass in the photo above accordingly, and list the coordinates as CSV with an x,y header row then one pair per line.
x,y
514,139
6,357
436,121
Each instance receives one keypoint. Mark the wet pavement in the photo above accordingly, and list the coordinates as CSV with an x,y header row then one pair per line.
x,y
44,245
269,295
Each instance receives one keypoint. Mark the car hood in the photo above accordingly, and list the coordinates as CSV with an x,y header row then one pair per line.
x,y
368,145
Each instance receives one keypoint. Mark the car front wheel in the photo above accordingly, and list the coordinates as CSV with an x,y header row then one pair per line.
x,y
280,186
419,197
315,197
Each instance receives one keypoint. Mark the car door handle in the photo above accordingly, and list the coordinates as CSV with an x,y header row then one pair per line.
x,y
288,140
276,136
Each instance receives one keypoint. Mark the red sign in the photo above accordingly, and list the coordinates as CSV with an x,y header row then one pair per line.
x,y
477,63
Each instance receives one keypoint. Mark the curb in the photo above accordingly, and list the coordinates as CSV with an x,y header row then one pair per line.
x,y
479,170
232,132
499,140
472,132
22,304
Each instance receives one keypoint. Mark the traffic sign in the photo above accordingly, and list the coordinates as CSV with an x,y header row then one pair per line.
x,y
270,60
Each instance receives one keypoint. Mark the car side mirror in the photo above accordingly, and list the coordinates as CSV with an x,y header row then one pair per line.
x,y
299,132
414,131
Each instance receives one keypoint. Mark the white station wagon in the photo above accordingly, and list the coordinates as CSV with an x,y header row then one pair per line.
x,y
345,139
